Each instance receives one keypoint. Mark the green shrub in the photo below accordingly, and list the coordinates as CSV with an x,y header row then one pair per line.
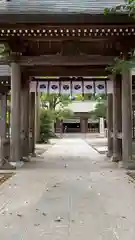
x,y
45,126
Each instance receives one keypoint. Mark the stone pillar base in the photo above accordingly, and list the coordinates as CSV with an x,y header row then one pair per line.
x,y
109,154
33,154
25,159
115,159
5,165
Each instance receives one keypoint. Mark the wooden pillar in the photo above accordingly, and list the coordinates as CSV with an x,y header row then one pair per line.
x,y
37,116
110,124
102,127
25,120
126,117
8,113
3,110
83,124
86,125
117,119
15,153
59,126
32,124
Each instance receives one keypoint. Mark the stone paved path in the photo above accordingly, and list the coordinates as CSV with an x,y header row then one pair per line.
x,y
99,144
70,193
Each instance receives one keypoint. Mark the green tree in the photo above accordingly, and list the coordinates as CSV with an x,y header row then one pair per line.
x,y
45,125
53,101
62,114
123,62
100,109
128,7
57,107
4,51
83,97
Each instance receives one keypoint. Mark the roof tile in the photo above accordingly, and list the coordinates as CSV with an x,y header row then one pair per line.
x,y
57,6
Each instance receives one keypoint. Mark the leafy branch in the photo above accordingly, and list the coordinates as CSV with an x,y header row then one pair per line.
x,y
100,110
121,64
4,51
128,7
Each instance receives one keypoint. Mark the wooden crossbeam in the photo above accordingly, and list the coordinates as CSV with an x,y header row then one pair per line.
x,y
4,89
80,18
58,60
66,71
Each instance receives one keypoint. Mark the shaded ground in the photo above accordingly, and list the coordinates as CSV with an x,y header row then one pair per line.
x,y
70,192
41,148
99,144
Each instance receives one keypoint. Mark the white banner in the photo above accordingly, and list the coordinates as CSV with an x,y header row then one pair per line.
x,y
65,87
88,87
43,86
76,87
100,87
54,87
109,86
33,86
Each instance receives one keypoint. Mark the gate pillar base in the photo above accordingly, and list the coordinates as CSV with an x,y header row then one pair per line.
x,y
115,159
5,165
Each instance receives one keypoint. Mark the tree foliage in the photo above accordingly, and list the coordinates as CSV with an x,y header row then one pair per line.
x,y
128,7
45,126
54,107
121,65
100,109
52,101
123,62
89,97
4,51
57,105
62,114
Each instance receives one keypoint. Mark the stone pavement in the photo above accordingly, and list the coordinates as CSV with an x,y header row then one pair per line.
x,y
70,192
99,144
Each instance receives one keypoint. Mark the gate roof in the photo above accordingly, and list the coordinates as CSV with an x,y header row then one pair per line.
x,y
56,6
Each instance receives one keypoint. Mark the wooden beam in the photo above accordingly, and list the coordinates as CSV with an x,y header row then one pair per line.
x,y
96,39
4,79
65,18
4,89
58,60
66,71
94,78
55,31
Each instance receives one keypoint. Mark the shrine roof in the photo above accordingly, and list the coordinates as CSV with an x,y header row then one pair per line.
x,y
56,6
